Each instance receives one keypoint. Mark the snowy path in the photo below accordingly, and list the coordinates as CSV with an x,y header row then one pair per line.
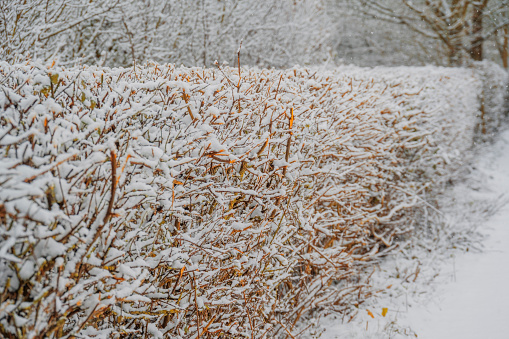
x,y
476,304
469,299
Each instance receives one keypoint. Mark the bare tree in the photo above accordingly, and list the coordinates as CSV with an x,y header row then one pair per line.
x,y
497,24
67,29
461,26
190,32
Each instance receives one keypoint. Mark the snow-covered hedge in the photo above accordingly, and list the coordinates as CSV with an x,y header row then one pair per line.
x,y
190,202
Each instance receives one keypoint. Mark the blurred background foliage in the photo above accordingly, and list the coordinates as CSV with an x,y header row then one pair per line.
x,y
273,33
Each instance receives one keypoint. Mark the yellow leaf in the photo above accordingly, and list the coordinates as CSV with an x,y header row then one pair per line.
x,y
384,311
370,314
54,78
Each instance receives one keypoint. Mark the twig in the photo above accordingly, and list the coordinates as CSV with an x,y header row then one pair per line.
x,y
113,185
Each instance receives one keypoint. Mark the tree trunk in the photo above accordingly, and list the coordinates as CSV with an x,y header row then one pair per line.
x,y
476,48
505,48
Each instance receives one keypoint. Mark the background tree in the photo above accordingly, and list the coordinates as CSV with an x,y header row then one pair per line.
x,y
462,27
497,33
44,29
189,32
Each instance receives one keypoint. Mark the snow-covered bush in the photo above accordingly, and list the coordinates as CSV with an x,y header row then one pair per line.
x,y
186,202
189,32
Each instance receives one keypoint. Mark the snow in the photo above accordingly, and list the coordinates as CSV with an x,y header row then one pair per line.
x,y
49,248
463,293
27,270
475,304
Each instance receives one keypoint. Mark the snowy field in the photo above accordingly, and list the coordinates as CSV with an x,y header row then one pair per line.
x,y
460,292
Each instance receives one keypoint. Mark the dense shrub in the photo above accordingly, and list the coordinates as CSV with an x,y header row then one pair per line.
x,y
192,202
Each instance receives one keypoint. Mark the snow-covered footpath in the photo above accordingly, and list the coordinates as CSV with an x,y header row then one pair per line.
x,y
460,293
475,303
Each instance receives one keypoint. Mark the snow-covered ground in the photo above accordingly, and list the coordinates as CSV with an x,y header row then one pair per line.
x,y
458,287
475,303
